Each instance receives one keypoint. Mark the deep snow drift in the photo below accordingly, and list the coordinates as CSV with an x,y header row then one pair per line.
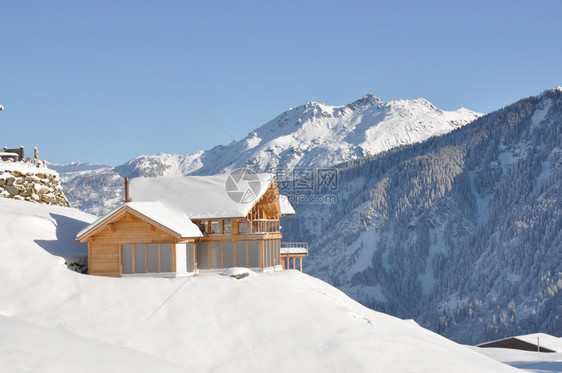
x,y
279,321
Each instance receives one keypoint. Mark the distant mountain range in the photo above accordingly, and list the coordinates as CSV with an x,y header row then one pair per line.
x,y
311,135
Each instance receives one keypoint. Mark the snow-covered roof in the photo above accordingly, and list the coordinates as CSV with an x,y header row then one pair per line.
x,y
171,219
544,340
286,207
202,197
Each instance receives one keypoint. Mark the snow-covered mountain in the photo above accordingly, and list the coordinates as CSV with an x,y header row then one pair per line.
x,y
72,169
462,232
54,319
311,135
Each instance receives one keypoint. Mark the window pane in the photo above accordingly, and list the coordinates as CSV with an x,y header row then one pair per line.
x,y
127,258
203,226
254,254
202,255
153,258
228,248
216,254
215,226
140,259
165,257
241,254
227,226
243,227
189,256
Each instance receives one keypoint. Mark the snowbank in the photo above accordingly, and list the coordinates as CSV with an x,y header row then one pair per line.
x,y
31,348
284,321
237,272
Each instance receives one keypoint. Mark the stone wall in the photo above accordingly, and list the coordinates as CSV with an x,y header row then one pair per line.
x,y
34,184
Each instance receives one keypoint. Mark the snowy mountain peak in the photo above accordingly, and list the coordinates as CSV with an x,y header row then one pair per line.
x,y
368,99
311,135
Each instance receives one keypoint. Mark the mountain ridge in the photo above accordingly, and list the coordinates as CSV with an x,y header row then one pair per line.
x,y
310,135
462,230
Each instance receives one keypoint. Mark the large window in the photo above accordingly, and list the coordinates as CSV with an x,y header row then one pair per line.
x,y
203,226
241,254
146,258
127,259
189,256
254,253
228,250
243,227
203,255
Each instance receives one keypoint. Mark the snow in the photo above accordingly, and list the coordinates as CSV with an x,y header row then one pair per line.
x,y
32,348
541,113
25,167
286,207
201,197
538,362
294,250
545,340
237,272
170,218
59,320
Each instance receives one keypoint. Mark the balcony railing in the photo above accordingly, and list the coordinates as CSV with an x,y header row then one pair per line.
x,y
294,248
265,226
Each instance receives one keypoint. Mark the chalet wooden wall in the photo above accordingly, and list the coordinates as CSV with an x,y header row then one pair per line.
x,y
104,257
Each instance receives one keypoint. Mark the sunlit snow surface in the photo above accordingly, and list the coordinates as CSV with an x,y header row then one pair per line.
x,y
284,321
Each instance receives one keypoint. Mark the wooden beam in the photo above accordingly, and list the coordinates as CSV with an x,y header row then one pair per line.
x,y
111,227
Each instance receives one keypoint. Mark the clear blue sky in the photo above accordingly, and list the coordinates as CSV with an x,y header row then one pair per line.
x,y
77,79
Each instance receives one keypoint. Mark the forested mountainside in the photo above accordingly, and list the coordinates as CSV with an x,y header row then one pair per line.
x,y
462,232
311,135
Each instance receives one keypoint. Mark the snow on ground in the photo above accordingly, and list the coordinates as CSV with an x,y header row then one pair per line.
x,y
33,167
26,347
267,321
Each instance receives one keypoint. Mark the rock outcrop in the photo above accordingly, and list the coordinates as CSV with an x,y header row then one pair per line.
x,y
25,182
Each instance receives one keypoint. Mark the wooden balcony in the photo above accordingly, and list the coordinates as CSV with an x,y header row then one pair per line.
x,y
293,250
260,226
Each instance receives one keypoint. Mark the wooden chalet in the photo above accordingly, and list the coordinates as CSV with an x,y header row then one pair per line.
x,y
175,226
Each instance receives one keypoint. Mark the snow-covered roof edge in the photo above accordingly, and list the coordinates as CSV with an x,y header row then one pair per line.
x,y
545,340
157,212
286,207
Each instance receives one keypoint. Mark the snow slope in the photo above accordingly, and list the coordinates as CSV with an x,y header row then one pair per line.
x,y
27,347
311,135
267,321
